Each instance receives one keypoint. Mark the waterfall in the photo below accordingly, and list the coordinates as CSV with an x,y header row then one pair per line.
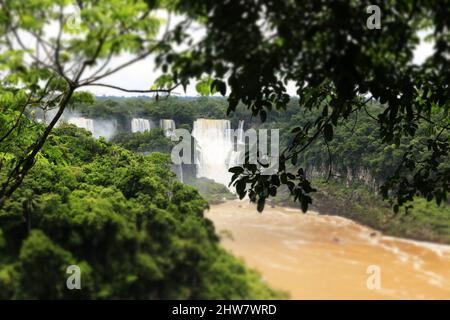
x,y
81,122
168,125
238,153
214,149
98,127
105,128
140,125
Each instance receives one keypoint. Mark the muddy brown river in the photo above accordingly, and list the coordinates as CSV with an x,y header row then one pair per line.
x,y
315,256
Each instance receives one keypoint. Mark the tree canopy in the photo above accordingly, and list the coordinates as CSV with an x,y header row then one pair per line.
x,y
123,218
337,65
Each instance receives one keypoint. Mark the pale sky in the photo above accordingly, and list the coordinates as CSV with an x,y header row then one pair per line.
x,y
141,75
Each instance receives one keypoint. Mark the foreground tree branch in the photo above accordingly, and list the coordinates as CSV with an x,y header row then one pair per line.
x,y
68,56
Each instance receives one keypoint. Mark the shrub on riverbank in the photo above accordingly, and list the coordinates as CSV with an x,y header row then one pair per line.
x,y
425,221
211,191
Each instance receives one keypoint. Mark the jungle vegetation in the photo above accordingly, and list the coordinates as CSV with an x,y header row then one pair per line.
x,y
66,198
124,219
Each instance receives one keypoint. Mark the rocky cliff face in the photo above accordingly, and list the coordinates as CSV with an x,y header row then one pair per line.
x,y
347,175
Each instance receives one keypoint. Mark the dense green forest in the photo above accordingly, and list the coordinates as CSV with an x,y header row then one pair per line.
x,y
366,135
124,219
347,172
356,152
138,233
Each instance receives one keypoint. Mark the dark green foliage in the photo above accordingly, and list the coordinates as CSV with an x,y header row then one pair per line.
x,y
145,142
425,221
134,231
43,264
33,83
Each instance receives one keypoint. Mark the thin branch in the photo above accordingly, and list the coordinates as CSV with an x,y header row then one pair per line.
x,y
44,44
26,163
58,42
22,111
133,90
16,123
320,129
105,63
27,50
92,59
110,72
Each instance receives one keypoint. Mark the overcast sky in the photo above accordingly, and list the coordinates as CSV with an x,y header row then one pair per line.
x,y
142,75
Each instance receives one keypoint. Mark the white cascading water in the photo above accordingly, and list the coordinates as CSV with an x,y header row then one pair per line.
x,y
104,128
239,151
140,125
81,122
214,149
168,125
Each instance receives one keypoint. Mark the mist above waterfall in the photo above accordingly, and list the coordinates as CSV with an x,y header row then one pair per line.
x,y
105,128
81,122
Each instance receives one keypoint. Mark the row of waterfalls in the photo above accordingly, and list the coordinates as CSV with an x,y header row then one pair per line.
x,y
108,128
141,125
215,145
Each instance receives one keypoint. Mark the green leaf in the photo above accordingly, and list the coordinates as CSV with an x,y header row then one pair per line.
x,y
237,170
219,86
260,204
203,87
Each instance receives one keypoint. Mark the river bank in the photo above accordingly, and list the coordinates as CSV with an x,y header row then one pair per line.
x,y
425,221
328,257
